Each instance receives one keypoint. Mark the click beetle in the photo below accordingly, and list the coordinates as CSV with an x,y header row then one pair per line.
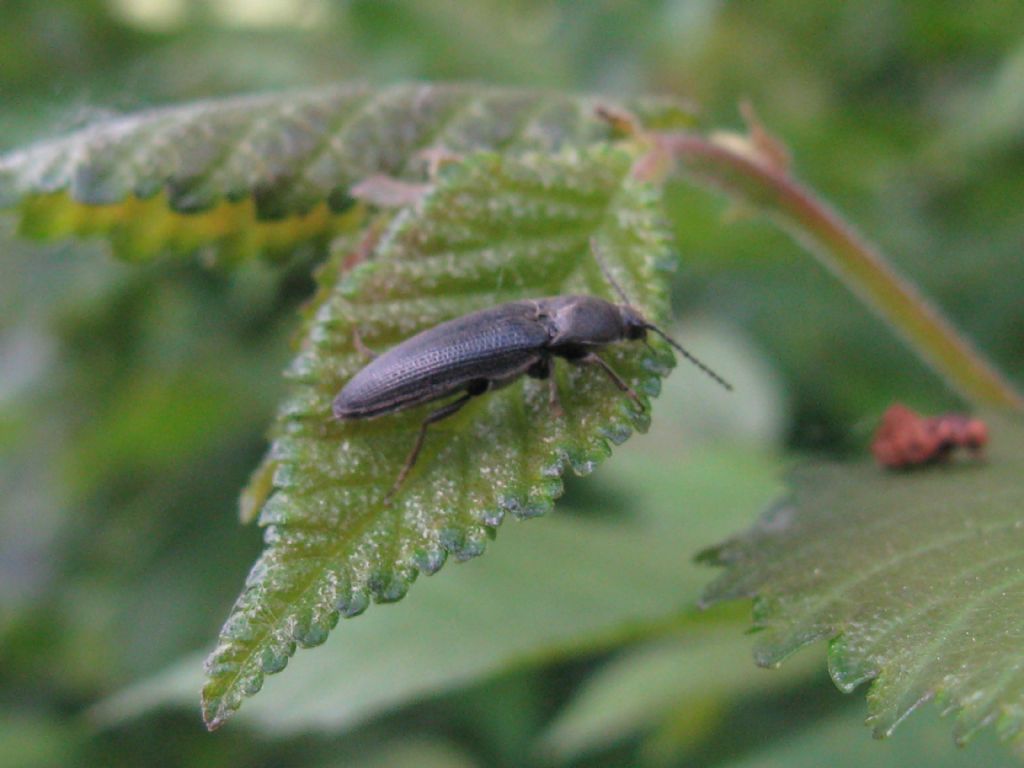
x,y
491,348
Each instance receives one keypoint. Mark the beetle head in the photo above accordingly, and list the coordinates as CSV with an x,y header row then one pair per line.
x,y
633,323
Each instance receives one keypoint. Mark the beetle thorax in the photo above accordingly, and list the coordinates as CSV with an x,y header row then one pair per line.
x,y
584,321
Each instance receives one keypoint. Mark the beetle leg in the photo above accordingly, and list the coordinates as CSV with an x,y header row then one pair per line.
x,y
361,348
410,460
544,369
592,359
553,400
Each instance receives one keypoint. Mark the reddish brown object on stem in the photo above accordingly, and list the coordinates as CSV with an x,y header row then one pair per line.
x,y
906,439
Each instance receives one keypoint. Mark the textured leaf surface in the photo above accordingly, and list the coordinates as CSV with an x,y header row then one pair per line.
x,y
918,578
494,229
269,172
522,604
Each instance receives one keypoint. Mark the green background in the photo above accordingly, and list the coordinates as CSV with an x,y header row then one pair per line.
x,y
133,399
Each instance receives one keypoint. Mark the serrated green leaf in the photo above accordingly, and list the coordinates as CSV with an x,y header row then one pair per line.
x,y
630,575
495,228
918,578
270,172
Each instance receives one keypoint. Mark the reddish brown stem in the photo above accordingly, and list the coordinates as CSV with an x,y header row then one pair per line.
x,y
757,182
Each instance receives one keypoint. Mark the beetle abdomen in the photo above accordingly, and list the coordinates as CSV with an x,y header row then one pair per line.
x,y
489,345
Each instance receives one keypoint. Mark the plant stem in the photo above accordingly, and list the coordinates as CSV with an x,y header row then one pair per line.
x,y
738,169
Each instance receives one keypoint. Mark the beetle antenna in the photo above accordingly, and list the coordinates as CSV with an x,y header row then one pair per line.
x,y
689,356
595,249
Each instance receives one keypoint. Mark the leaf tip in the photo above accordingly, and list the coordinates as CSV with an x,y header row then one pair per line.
x,y
213,721
216,709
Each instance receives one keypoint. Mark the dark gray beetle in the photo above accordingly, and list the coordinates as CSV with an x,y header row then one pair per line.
x,y
489,349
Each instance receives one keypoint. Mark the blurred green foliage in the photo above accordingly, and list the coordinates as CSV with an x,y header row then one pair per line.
x,y
133,399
